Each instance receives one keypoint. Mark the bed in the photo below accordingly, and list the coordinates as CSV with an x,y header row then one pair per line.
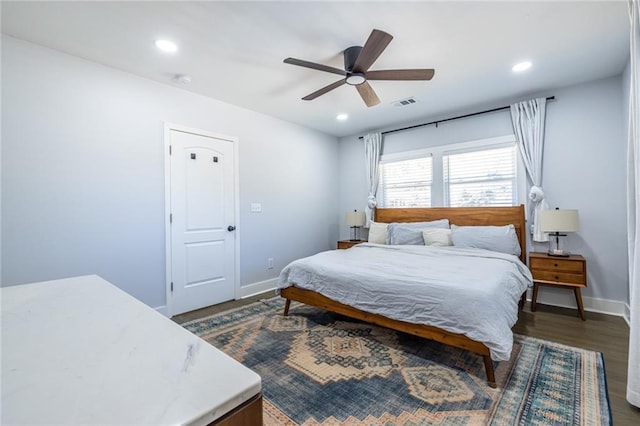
x,y
424,309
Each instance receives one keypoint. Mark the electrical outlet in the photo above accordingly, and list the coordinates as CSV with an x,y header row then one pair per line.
x,y
270,263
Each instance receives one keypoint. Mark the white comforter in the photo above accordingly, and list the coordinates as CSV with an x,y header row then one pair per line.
x,y
474,292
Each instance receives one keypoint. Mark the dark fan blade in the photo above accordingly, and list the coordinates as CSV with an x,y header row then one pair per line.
x,y
313,65
325,90
368,95
375,45
416,74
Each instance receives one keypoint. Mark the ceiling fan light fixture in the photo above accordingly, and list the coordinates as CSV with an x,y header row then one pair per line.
x,y
355,79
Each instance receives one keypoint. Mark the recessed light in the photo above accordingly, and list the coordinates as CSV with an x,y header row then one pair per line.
x,y
166,46
522,66
342,117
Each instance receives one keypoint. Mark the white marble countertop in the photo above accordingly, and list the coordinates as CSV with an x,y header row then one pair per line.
x,y
80,351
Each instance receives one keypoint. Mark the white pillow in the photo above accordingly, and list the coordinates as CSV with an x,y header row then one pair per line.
x,y
378,232
496,238
437,237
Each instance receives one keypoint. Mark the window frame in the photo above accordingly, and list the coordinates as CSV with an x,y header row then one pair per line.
x,y
403,156
437,152
445,190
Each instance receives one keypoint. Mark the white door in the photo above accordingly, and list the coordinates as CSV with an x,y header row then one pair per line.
x,y
202,221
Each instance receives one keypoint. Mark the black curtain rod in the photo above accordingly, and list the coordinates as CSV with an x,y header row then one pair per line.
x,y
550,98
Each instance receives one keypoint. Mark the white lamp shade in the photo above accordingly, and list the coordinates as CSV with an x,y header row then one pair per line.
x,y
355,218
559,220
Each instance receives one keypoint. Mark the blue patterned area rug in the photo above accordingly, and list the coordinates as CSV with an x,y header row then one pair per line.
x,y
320,368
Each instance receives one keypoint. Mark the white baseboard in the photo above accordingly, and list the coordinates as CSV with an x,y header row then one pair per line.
x,y
553,297
566,299
257,288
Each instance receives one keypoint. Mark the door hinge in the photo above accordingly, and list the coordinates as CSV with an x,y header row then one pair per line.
x,y
170,217
169,149
172,286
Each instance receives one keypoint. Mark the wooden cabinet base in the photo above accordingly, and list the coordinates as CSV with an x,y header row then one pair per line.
x,y
248,414
568,272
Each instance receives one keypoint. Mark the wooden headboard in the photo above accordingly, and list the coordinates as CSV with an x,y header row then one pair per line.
x,y
462,216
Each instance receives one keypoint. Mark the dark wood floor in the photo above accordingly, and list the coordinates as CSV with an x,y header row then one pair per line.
x,y
603,333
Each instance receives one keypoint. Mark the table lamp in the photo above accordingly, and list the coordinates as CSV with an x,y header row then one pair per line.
x,y
355,220
556,223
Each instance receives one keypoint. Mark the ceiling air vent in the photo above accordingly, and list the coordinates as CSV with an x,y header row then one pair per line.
x,y
405,102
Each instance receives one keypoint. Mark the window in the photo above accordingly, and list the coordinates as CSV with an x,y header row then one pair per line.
x,y
480,178
486,172
406,182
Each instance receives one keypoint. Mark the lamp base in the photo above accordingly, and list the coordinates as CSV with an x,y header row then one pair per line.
x,y
558,249
558,253
355,231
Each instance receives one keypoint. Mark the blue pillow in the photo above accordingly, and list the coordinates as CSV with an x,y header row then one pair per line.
x,y
495,238
411,233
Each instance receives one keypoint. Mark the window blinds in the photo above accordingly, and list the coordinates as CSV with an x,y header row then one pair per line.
x,y
480,178
407,183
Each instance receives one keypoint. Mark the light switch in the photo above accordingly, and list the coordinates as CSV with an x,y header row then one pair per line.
x,y
256,207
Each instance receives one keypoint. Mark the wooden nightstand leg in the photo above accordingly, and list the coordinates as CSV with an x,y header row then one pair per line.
x,y
534,297
576,291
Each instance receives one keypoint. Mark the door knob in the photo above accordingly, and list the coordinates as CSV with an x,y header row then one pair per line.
x,y
231,228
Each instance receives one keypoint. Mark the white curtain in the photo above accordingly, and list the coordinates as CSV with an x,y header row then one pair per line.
x,y
372,151
633,210
528,124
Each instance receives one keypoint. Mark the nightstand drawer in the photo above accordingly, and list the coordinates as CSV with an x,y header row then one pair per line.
x,y
562,277
552,264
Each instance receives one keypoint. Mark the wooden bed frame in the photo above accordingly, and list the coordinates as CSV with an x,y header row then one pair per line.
x,y
461,216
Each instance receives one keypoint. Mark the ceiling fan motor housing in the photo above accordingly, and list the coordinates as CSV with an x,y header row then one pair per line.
x,y
350,56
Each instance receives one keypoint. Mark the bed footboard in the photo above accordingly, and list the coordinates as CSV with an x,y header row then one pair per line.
x,y
425,331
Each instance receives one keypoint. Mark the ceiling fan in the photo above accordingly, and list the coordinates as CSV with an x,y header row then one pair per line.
x,y
357,61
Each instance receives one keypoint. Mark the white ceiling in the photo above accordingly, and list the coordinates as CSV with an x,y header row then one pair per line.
x,y
234,50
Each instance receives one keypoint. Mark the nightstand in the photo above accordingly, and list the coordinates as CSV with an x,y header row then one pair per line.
x,y
345,244
567,272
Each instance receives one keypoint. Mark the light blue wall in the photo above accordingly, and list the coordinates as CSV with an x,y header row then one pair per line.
x,y
83,175
583,168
